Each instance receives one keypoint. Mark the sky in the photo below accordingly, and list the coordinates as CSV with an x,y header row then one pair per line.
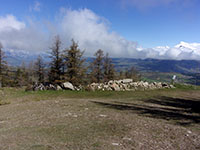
x,y
163,29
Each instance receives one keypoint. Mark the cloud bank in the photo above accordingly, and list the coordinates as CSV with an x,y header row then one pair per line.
x,y
92,33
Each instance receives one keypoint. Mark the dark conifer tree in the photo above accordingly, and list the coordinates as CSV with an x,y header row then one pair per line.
x,y
3,65
109,71
56,64
39,69
97,67
75,69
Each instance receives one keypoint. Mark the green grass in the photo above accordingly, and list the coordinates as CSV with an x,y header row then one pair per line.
x,y
7,94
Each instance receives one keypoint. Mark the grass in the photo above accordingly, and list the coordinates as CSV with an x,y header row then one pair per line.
x,y
154,119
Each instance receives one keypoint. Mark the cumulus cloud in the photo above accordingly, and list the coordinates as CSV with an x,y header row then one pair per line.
x,y
14,34
92,33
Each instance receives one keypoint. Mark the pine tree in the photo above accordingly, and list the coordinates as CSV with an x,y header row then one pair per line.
x,y
18,77
109,71
39,69
56,64
3,65
74,64
97,67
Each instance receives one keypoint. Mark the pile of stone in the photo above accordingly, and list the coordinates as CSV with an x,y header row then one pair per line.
x,y
113,85
49,86
127,85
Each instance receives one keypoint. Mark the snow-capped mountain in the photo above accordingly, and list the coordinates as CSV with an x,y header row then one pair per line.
x,y
181,51
191,46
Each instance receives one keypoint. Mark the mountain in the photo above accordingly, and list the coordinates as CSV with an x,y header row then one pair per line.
x,y
151,69
16,58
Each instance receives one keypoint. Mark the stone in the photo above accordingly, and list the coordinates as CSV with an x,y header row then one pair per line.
x,y
164,85
127,80
146,85
58,87
51,87
39,87
171,86
68,85
115,87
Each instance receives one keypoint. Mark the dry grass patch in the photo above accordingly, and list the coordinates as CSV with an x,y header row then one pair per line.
x,y
51,120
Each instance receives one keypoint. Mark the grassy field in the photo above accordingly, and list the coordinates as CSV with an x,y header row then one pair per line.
x,y
62,120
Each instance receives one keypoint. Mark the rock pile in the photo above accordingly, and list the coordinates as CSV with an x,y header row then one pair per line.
x,y
49,86
127,85
113,85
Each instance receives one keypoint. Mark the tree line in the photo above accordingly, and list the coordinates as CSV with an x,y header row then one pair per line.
x,y
65,65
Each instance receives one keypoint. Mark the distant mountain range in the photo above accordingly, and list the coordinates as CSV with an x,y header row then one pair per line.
x,y
15,58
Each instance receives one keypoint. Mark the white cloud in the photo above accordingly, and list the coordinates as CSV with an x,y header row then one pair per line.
x,y
9,22
14,34
92,33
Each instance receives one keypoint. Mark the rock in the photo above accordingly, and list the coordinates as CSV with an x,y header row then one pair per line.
x,y
125,87
118,81
110,82
58,87
164,85
68,85
39,87
115,87
127,80
146,85
51,87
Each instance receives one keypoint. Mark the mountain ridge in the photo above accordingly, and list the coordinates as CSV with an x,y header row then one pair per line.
x,y
16,58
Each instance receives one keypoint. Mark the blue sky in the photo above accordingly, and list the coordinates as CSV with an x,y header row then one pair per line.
x,y
143,23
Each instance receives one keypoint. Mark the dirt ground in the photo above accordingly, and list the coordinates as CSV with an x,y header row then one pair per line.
x,y
159,120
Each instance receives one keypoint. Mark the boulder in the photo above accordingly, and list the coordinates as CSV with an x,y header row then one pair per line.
x,y
68,86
